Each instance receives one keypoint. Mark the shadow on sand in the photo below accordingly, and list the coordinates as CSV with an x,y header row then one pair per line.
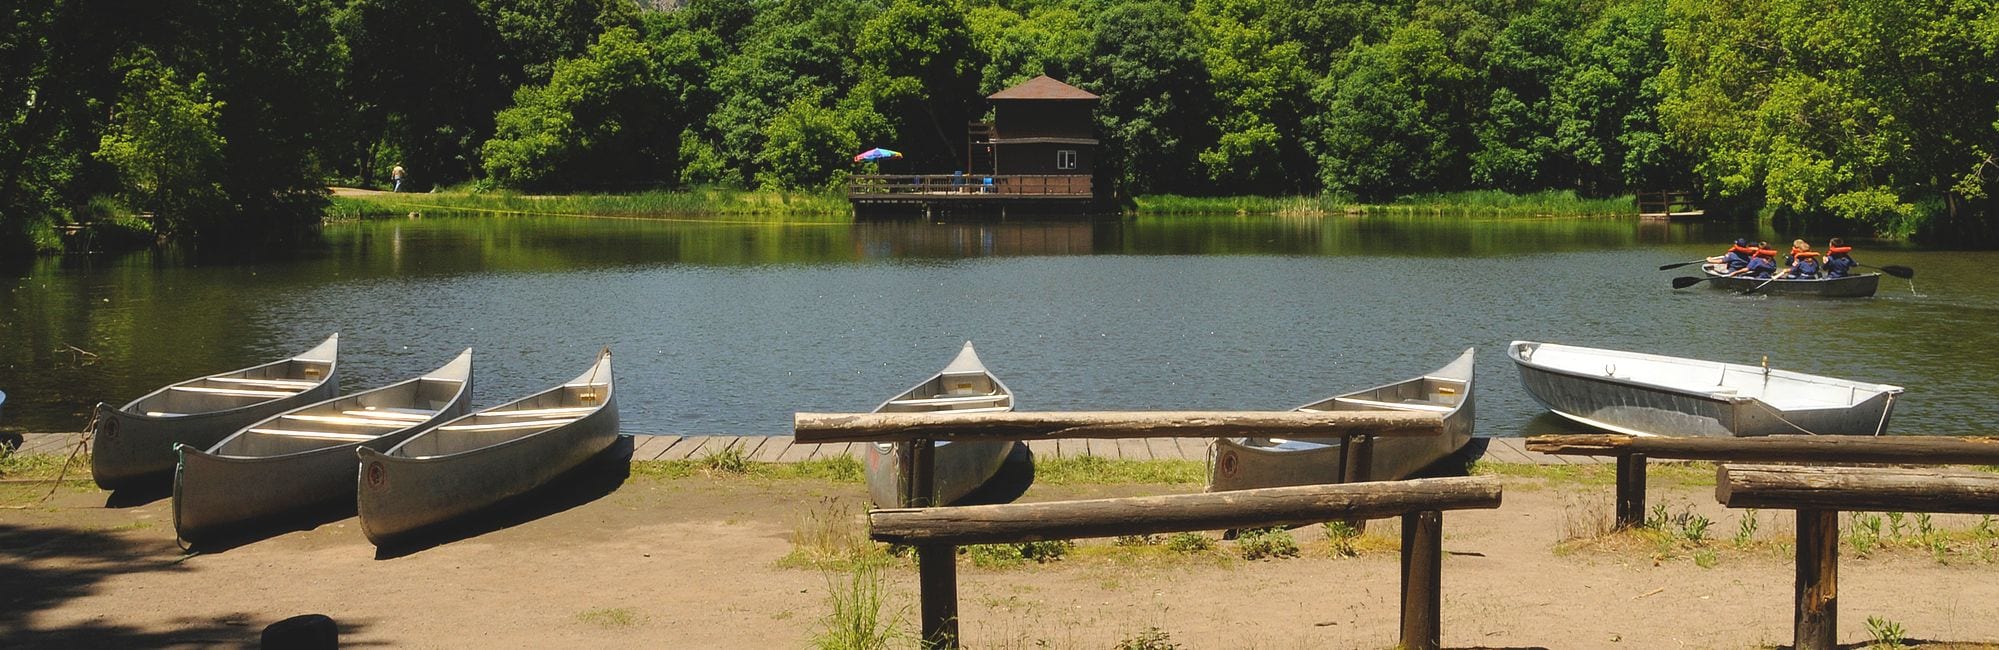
x,y
590,481
44,567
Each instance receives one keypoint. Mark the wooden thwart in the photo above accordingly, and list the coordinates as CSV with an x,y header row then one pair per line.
x,y
899,427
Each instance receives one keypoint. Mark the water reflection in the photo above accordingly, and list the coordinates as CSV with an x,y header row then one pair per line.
x,y
728,328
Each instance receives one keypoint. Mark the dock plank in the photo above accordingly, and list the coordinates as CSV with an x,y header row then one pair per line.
x,y
772,449
750,445
1133,449
796,452
1042,448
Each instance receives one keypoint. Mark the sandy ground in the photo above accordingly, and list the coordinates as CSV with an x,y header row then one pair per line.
x,y
695,563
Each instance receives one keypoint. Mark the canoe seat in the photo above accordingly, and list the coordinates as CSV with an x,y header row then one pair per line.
x,y
314,435
950,401
274,383
502,426
524,413
1395,406
237,392
359,422
403,415
163,414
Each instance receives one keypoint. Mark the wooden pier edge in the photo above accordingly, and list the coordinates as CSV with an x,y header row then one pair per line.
x,y
896,427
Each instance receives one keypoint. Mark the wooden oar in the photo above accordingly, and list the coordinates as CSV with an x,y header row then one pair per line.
x,y
1683,282
1773,278
1675,265
1902,272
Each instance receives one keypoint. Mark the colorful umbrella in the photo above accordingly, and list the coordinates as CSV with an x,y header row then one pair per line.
x,y
877,153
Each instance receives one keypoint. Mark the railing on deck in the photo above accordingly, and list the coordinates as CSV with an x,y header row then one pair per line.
x,y
971,186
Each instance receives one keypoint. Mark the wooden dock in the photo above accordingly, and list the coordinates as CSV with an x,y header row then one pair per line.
x,y
779,449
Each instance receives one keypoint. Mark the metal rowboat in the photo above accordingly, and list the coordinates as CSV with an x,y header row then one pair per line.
x,y
475,461
135,442
1852,286
964,386
1246,463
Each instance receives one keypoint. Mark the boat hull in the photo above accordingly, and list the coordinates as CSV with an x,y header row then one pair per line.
x,y
958,467
1637,408
129,448
1249,463
401,491
1852,286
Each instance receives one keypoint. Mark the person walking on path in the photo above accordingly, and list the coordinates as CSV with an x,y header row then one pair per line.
x,y
396,175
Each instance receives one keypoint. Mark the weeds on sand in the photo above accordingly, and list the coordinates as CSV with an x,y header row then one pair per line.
x,y
861,618
610,617
840,469
832,536
1151,639
1190,542
730,460
1884,633
994,556
1340,536
1097,470
1262,543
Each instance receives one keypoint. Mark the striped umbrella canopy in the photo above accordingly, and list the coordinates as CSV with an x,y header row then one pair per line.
x,y
877,153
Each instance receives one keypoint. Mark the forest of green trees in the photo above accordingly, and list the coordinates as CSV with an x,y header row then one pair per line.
x,y
227,118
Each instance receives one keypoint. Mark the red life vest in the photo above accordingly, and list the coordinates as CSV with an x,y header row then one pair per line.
x,y
1838,250
1800,254
1744,251
1766,252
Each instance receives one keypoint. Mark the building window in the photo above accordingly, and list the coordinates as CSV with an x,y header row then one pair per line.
x,y
1065,159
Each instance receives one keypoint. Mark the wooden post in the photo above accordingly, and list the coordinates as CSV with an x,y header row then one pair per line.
x,y
1422,580
1630,490
1362,469
936,564
1817,588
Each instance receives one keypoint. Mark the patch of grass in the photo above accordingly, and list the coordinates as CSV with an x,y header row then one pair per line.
x,y
730,460
1745,530
1151,639
833,537
1190,542
42,466
610,617
714,203
1266,543
1136,540
1340,538
996,556
860,618
839,469
1884,633
1097,470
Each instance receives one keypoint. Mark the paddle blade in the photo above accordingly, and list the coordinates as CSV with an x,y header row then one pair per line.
x,y
1675,265
1684,282
1899,271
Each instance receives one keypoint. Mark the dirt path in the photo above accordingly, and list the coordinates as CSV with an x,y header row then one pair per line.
x,y
695,563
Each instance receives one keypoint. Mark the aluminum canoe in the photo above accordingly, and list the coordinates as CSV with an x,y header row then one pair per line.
x,y
304,459
1654,395
135,443
964,386
473,462
1853,286
1246,463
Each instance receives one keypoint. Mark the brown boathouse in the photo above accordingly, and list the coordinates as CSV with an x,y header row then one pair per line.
x,y
1034,160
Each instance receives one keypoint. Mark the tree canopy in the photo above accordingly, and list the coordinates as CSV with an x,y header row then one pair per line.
x,y
227,117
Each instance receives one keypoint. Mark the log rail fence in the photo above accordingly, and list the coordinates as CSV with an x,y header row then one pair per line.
x,y
936,532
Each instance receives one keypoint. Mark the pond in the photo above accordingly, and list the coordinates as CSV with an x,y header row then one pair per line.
x,y
728,328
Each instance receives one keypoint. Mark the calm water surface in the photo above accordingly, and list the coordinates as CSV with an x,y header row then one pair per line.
x,y
728,328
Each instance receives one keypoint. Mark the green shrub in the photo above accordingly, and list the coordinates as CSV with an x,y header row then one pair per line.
x,y
1266,543
1189,542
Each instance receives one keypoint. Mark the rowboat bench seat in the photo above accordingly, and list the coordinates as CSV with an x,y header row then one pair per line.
x,y
238,392
315,435
164,414
950,400
274,383
391,413
500,426
1411,405
525,413
351,421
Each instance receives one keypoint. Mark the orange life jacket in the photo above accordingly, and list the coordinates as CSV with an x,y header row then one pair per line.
x,y
1801,254
1838,250
1766,252
1742,250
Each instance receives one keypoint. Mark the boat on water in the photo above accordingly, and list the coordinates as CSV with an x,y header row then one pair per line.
x,y
1653,395
1859,285
963,386
1246,463
475,461
304,459
135,442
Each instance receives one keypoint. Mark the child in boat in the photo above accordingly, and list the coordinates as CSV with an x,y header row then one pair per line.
x,y
1736,257
1804,262
1761,264
1838,262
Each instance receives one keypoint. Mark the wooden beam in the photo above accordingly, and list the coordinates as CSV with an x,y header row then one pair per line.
x,y
866,427
1261,508
1422,580
1922,450
1882,489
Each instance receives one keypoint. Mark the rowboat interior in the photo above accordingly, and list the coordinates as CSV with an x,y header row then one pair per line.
x,y
1426,393
1784,390
548,410
962,391
356,418
236,390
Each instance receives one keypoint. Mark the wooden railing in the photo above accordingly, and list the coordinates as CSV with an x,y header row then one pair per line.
x,y
936,532
1015,185
1668,204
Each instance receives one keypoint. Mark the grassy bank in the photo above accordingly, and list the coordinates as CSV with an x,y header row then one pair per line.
x,y
774,206
1482,203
